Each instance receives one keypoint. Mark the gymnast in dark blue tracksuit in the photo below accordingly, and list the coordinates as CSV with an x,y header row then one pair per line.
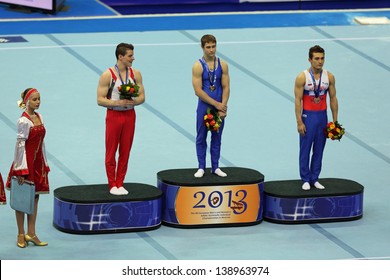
x,y
210,79
311,89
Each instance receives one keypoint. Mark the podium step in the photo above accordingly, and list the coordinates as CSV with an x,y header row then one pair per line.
x,y
91,209
211,201
286,202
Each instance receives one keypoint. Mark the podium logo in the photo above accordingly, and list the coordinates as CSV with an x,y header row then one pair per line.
x,y
197,205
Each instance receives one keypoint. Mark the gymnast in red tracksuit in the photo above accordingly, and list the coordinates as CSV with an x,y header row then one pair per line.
x,y
120,118
311,88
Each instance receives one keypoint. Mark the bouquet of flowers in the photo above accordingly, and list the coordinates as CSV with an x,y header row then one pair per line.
x,y
334,131
212,120
129,90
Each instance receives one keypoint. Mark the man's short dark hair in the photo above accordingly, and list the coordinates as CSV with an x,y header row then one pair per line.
x,y
122,48
315,49
208,38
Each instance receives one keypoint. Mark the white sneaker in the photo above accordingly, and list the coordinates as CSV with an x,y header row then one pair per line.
x,y
115,191
199,173
319,186
220,173
306,186
123,191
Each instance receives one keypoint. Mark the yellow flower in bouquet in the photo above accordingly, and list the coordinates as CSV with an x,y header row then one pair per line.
x,y
129,90
334,131
212,120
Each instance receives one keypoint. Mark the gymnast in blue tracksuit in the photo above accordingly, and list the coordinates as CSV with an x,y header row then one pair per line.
x,y
210,79
311,88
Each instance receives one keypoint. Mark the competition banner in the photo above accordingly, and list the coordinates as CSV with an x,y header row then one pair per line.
x,y
166,2
51,6
207,205
218,204
44,4
268,1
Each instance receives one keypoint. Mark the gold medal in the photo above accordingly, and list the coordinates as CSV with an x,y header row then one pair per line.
x,y
317,100
212,74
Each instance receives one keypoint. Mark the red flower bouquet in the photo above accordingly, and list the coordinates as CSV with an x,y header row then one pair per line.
x,y
334,131
212,120
129,90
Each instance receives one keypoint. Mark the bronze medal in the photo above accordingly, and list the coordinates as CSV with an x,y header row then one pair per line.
x,y
212,87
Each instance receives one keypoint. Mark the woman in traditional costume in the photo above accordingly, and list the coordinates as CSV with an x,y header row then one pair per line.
x,y
30,164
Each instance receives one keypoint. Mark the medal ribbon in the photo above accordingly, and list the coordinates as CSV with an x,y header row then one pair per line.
x,y
119,74
212,77
316,91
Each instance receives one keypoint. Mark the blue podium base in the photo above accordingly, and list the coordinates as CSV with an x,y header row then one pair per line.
x,y
211,201
286,202
91,209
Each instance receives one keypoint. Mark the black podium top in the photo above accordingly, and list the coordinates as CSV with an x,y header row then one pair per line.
x,y
100,193
185,177
293,188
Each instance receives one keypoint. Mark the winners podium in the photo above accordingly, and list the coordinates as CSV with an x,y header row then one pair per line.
x,y
91,209
181,200
286,202
210,201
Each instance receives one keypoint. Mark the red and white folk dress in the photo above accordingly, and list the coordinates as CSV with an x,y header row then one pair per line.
x,y
3,198
30,157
